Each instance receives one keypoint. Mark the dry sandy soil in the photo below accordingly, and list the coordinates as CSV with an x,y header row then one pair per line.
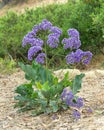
x,y
92,92
20,8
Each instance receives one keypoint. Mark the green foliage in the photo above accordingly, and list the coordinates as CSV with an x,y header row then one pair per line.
x,y
11,34
42,94
99,27
76,86
36,73
7,65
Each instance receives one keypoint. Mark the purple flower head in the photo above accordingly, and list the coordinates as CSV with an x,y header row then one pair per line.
x,y
30,39
76,114
53,40
72,102
35,29
89,110
56,30
79,103
64,93
72,43
27,39
70,99
65,40
30,35
45,25
79,56
73,33
87,56
40,58
70,58
33,51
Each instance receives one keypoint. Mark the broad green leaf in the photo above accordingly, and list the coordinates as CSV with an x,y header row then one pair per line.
x,y
25,90
55,81
54,105
35,94
40,95
66,82
30,73
48,110
37,73
64,106
77,82
43,104
45,86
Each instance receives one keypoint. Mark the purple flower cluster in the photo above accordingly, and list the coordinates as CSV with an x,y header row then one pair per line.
x,y
53,38
29,39
70,99
40,58
33,51
76,114
73,33
56,30
75,102
37,43
73,42
79,56
44,25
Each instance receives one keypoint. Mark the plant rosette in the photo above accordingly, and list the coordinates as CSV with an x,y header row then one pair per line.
x,y
45,93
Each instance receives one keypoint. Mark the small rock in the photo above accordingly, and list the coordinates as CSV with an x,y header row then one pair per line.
x,y
72,73
90,74
99,72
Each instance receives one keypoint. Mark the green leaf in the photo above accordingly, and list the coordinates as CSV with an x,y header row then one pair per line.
x,y
55,81
64,106
76,86
62,84
45,86
30,73
66,82
54,105
25,90
38,85
43,104
37,73
48,110
40,95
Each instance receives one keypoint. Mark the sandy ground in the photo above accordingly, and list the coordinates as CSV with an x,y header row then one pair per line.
x,y
20,8
92,92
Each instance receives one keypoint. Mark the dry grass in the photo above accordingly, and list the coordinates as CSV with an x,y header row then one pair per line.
x,y
97,62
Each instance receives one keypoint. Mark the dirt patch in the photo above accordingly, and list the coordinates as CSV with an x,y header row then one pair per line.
x,y
92,92
20,7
